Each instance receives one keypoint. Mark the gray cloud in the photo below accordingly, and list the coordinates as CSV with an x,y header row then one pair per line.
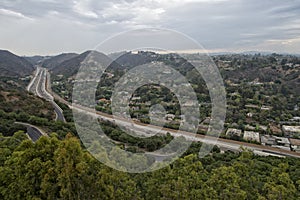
x,y
53,26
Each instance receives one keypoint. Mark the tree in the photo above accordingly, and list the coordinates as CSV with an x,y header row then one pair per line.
x,y
279,185
226,183
183,180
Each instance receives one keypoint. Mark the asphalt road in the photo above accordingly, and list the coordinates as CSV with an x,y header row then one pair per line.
x,y
58,112
38,86
33,132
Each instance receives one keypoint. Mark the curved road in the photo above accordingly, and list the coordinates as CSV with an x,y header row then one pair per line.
x,y
33,132
38,86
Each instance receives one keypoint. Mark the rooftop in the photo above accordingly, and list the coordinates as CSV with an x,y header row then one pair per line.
x,y
251,135
233,131
295,142
295,129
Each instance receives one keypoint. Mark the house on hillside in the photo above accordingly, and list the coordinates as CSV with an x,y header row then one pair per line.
x,y
295,145
169,117
291,131
274,141
232,132
251,136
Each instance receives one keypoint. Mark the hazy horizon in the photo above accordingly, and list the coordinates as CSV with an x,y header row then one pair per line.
x,y
208,52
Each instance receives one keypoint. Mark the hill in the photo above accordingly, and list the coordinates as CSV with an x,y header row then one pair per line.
x,y
35,59
16,104
129,60
12,65
283,69
55,61
71,66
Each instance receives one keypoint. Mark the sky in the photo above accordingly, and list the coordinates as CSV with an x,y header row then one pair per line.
x,y
49,27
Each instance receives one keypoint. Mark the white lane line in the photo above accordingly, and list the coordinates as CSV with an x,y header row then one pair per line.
x,y
33,80
38,84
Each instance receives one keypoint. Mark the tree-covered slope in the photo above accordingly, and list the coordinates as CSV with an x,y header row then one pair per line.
x,y
55,169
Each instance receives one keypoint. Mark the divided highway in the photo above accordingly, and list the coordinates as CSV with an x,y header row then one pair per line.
x,y
38,87
220,142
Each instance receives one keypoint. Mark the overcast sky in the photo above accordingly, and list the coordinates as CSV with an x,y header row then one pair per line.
x,y
48,27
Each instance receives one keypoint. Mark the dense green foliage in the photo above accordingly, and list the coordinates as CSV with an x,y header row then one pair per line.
x,y
19,105
8,125
13,99
55,169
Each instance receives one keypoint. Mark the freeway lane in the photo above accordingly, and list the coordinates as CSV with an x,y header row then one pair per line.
x,y
220,142
38,86
58,112
32,85
33,133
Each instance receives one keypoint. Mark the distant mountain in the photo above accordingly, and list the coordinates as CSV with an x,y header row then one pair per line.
x,y
36,59
240,53
122,60
129,60
71,66
117,54
55,61
12,65
264,53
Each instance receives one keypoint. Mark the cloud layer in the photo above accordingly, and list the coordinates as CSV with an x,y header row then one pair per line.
x,y
53,26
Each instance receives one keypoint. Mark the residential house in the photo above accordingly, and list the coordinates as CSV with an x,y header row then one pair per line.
x,y
251,136
233,132
295,145
291,131
274,141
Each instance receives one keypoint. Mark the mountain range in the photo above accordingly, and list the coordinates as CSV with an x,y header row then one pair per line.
x,y
67,64
12,65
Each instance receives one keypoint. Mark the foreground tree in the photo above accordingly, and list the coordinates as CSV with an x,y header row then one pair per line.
x,y
279,185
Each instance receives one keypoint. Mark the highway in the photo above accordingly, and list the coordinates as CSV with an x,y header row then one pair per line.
x,y
144,128
220,142
38,86
33,82
33,132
